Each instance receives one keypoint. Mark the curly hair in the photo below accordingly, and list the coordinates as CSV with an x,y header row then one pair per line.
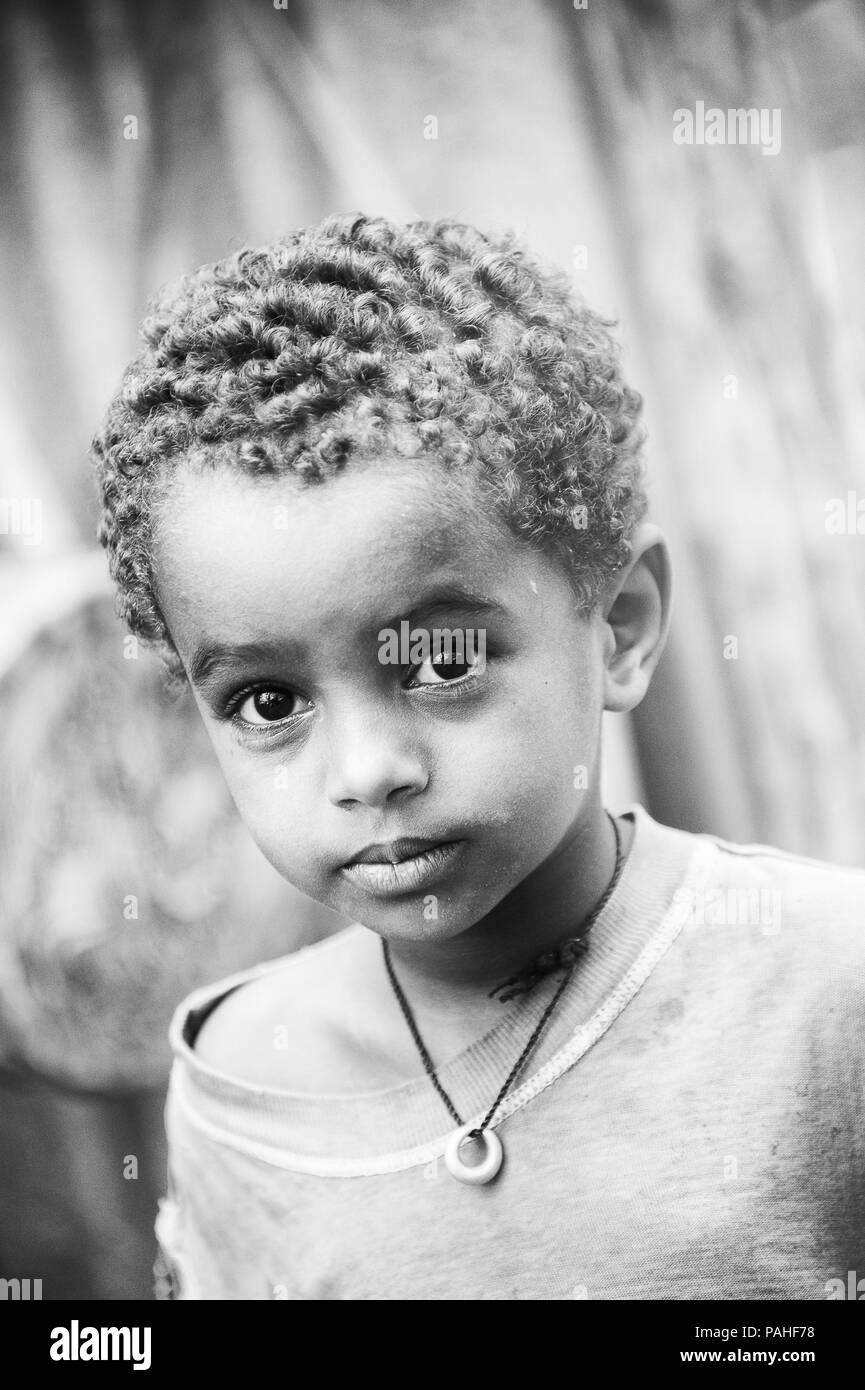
x,y
429,340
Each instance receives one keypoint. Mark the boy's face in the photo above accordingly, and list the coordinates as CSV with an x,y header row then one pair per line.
x,y
275,594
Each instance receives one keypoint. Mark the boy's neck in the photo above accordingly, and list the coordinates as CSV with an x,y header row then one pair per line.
x,y
547,907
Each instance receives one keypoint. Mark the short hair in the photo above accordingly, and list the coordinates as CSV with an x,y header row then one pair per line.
x,y
430,340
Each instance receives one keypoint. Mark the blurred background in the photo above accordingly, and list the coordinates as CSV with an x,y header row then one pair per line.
x,y
142,140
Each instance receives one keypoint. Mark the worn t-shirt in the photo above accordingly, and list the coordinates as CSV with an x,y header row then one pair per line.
x,y
692,1125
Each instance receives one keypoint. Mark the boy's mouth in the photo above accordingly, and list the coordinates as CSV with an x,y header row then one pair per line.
x,y
400,866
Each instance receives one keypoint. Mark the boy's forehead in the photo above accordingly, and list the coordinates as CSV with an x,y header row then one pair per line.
x,y
222,516
235,549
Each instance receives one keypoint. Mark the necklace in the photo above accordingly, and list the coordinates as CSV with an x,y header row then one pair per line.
x,y
564,957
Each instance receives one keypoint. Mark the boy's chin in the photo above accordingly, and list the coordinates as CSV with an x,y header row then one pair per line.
x,y
421,933
416,919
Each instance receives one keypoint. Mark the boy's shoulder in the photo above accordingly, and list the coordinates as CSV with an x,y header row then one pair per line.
x,y
833,886
807,890
808,904
298,1023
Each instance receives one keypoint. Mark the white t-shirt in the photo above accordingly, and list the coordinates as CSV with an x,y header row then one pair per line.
x,y
692,1125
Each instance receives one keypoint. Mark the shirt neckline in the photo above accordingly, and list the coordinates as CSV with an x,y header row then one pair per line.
x,y
408,1123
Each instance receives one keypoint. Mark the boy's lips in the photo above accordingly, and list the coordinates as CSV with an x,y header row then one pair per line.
x,y
393,851
400,866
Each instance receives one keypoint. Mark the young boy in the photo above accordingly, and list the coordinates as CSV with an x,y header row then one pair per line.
x,y
375,492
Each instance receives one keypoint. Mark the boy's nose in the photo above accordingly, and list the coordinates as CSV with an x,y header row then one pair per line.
x,y
370,763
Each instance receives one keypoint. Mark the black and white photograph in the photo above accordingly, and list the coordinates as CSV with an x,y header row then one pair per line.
x,y
432,667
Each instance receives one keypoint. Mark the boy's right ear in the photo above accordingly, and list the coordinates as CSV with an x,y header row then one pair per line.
x,y
636,615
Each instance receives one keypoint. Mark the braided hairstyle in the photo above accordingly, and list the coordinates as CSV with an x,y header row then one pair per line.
x,y
430,341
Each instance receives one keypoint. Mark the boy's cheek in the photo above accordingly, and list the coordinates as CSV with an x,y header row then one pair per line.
x,y
285,845
270,801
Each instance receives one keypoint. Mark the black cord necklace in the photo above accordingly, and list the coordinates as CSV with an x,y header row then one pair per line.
x,y
564,957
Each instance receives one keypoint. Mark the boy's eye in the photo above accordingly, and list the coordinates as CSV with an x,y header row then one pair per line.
x,y
268,705
441,667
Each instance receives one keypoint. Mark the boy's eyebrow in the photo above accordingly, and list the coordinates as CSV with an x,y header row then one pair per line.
x,y
212,656
448,596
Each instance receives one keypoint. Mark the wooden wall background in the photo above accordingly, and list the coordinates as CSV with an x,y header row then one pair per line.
x,y
721,263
